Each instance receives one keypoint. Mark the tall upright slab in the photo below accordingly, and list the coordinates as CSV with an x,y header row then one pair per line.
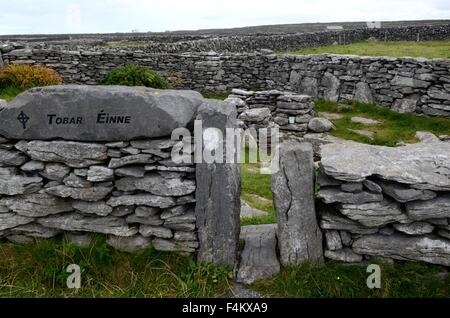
x,y
218,191
299,236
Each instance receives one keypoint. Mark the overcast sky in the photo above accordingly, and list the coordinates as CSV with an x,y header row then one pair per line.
x,y
92,16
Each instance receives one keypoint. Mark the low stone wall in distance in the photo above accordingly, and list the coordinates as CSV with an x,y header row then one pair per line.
x,y
391,203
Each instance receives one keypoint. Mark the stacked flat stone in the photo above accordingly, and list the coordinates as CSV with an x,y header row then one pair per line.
x,y
132,192
391,203
265,109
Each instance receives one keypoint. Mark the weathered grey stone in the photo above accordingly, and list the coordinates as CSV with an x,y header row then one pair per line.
x,y
255,115
131,160
363,94
330,116
346,238
100,208
152,221
79,238
372,186
91,194
185,236
175,246
300,238
75,181
259,257
146,211
100,174
437,208
117,144
121,211
331,86
82,223
135,172
8,171
98,113
35,230
406,105
81,172
129,244
36,205
326,181
32,166
426,136
364,121
352,187
72,154
405,194
428,249
374,214
330,221
416,228
14,185
362,132
388,230
12,158
143,199
3,103
130,151
309,86
409,82
188,217
19,239
55,171
156,144
421,165
249,212
157,185
157,231
218,194
333,240
12,220
320,125
344,255
444,233
334,195
175,211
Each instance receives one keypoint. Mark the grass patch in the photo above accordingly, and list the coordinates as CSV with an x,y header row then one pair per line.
x,y
256,191
39,270
429,49
9,93
216,95
392,129
336,280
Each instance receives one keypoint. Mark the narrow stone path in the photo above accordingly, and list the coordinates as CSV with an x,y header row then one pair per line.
x,y
259,257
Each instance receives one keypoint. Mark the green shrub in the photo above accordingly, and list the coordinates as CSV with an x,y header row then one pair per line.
x,y
24,76
135,75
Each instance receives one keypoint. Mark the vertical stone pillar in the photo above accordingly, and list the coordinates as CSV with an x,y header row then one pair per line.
x,y
218,189
299,236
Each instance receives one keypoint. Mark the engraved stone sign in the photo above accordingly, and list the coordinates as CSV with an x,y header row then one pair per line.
x,y
97,113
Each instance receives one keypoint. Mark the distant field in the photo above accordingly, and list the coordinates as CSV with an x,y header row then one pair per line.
x,y
431,49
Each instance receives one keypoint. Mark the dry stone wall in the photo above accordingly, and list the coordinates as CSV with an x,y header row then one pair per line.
x,y
391,203
129,180
407,85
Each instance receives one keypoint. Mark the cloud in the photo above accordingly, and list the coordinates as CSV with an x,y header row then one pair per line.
x,y
87,16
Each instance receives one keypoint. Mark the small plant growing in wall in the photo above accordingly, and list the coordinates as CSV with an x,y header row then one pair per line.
x,y
135,75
